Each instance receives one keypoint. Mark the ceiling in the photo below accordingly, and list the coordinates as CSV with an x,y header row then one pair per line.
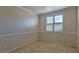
x,y
44,9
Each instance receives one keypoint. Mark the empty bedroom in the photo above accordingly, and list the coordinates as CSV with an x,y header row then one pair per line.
x,y
39,29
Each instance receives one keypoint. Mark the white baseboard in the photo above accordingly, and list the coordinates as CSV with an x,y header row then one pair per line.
x,y
5,35
59,32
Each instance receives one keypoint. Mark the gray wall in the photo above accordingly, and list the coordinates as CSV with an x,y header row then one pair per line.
x,y
15,20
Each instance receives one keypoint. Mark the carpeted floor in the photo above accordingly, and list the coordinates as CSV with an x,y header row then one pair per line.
x,y
45,47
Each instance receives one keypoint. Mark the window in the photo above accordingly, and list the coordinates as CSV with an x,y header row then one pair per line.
x,y
49,23
54,23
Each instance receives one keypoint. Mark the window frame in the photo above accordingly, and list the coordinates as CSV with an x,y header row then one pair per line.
x,y
53,24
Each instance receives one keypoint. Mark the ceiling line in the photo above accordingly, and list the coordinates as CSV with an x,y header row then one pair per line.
x,y
26,9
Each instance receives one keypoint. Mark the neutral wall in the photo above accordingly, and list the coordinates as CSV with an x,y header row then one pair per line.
x,y
68,36
17,27
70,19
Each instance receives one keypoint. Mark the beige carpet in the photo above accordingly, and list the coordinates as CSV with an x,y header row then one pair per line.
x,y
45,47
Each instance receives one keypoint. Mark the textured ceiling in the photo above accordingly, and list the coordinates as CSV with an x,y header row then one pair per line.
x,y
44,9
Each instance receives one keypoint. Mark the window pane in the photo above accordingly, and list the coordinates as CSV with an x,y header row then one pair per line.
x,y
58,27
49,28
49,20
58,18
